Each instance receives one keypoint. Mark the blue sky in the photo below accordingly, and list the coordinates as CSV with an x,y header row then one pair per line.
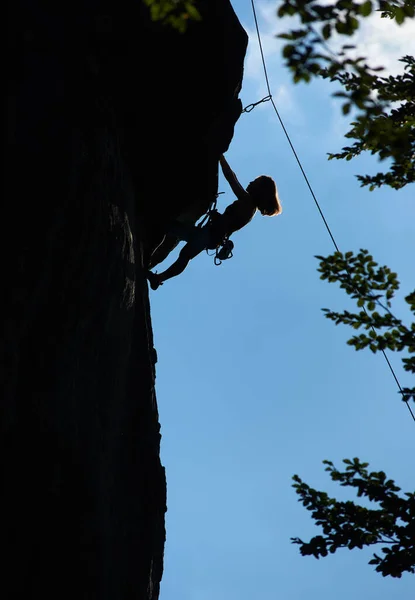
x,y
253,383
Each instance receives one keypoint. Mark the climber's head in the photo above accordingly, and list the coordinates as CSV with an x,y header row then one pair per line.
x,y
264,193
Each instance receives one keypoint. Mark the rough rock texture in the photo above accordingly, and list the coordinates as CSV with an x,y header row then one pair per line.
x,y
112,130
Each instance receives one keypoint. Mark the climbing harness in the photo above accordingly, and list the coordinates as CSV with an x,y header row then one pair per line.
x,y
212,209
224,249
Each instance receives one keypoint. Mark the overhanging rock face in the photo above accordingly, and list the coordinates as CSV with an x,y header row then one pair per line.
x,y
115,126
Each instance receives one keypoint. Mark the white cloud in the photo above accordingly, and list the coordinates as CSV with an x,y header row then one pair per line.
x,y
283,96
383,42
268,25
254,74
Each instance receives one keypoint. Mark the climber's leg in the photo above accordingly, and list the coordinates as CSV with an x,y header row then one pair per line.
x,y
198,243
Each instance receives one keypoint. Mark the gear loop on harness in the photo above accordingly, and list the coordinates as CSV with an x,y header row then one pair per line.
x,y
223,251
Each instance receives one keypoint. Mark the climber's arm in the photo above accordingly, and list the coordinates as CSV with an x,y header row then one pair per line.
x,y
231,178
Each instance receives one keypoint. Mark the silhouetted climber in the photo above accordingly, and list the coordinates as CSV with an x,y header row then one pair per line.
x,y
261,194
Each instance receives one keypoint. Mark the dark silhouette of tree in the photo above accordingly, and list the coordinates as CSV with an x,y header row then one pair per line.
x,y
383,109
349,525
346,524
383,106
373,288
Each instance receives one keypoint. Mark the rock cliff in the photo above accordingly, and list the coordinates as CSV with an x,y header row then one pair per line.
x,y
115,125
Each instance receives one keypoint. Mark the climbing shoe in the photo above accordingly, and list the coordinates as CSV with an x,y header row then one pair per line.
x,y
154,280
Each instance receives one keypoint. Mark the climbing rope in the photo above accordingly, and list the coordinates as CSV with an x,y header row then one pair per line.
x,y
270,98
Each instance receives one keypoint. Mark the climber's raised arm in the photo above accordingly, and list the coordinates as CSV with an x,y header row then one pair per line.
x,y
231,178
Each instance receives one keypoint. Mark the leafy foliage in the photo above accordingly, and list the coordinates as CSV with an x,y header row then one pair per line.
x,y
384,124
176,13
373,288
350,525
